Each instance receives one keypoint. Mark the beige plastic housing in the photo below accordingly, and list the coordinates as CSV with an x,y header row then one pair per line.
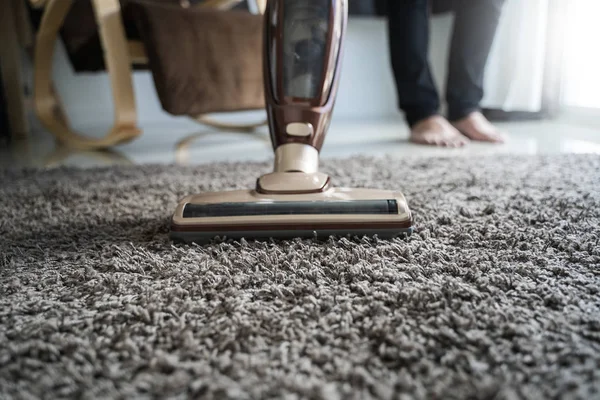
x,y
329,221
296,157
292,183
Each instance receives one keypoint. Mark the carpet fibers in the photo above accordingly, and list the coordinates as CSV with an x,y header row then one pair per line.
x,y
496,295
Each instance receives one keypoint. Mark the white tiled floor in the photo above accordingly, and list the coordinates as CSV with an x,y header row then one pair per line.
x,y
188,143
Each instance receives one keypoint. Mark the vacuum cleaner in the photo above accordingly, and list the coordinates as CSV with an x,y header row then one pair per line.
x,y
302,56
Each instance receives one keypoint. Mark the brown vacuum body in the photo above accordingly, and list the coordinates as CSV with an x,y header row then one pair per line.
x,y
303,46
302,62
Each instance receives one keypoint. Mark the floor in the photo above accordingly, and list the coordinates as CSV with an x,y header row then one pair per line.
x,y
190,144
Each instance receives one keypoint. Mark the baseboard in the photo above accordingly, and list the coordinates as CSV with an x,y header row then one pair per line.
x,y
497,115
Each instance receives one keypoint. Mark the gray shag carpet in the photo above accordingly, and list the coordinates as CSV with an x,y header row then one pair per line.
x,y
496,295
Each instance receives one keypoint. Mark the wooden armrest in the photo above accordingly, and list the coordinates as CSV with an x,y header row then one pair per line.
x,y
229,4
38,3
137,52
262,5
219,4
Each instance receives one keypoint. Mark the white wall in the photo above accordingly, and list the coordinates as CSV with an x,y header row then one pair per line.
x,y
366,89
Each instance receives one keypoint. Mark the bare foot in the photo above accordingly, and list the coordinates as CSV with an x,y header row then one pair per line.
x,y
476,126
437,131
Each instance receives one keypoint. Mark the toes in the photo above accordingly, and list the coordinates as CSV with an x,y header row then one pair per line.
x,y
443,138
501,137
490,137
421,140
461,141
493,138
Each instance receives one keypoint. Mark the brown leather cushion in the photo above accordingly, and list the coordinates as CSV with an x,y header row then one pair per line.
x,y
202,61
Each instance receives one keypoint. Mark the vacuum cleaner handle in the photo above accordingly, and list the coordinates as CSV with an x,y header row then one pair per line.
x,y
303,46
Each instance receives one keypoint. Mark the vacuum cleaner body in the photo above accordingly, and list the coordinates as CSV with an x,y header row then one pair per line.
x,y
303,46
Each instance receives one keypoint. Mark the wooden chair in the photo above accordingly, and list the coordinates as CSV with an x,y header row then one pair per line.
x,y
121,54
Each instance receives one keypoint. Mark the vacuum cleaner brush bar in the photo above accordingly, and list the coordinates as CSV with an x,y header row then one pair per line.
x,y
343,207
250,214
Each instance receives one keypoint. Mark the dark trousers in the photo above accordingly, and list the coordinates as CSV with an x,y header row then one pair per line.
x,y
474,30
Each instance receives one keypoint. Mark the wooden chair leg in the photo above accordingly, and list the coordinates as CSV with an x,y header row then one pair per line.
x,y
12,72
206,120
219,4
114,42
61,155
24,25
182,147
262,5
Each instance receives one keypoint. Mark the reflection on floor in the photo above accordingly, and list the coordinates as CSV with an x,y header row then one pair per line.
x,y
193,145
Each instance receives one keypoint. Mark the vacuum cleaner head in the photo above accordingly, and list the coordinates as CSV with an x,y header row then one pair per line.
x,y
250,214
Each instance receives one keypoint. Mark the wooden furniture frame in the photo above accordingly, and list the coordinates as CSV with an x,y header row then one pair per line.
x,y
15,35
120,53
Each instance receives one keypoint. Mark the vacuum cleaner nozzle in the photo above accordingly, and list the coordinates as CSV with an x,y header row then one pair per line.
x,y
302,58
251,214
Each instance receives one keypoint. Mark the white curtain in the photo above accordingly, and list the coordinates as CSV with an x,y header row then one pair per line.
x,y
581,81
515,71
